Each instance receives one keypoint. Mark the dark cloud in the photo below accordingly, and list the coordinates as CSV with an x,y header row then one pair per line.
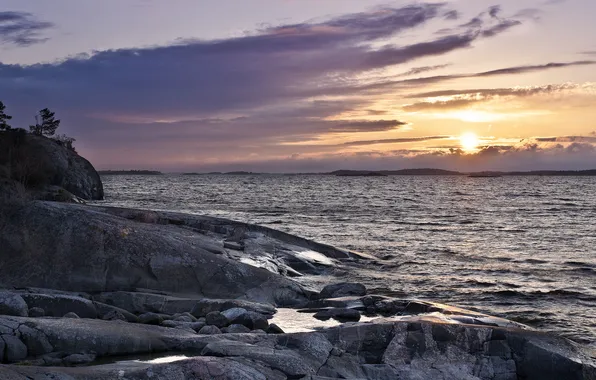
x,y
22,29
365,126
396,141
568,139
533,68
491,92
451,15
423,69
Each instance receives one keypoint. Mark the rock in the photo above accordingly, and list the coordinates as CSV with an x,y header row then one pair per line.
x,y
13,304
237,329
189,317
189,326
184,318
71,315
205,306
114,315
59,166
14,348
217,319
37,342
209,330
37,312
109,312
57,305
233,313
150,319
274,329
342,315
127,254
78,359
233,245
252,320
142,302
342,290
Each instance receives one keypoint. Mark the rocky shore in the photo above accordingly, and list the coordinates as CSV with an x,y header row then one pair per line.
x,y
93,292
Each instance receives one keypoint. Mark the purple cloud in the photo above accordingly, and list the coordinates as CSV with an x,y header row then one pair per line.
x,y
22,29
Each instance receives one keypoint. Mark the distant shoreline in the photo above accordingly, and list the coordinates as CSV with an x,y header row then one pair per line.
x,y
376,173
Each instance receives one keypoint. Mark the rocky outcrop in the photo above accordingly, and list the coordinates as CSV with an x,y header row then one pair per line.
x,y
94,251
107,283
382,350
45,163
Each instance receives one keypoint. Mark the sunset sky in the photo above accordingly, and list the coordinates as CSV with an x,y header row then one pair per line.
x,y
308,85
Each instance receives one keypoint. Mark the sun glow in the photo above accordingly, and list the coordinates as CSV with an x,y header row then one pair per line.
x,y
469,141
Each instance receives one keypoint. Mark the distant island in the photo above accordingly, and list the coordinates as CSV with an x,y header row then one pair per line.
x,y
383,173
435,172
129,172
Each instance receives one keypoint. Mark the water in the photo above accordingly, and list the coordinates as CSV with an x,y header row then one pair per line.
x,y
522,248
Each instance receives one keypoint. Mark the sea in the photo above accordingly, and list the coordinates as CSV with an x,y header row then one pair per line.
x,y
517,247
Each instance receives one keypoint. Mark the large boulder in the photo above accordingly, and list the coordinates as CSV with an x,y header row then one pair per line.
x,y
93,251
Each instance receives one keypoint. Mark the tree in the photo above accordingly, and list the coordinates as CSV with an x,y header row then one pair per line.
x,y
46,124
4,118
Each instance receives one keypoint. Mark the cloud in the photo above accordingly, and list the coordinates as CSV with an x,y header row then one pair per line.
x,y
204,102
396,141
514,91
22,29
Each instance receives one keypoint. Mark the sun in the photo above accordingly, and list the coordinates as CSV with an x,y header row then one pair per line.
x,y
469,141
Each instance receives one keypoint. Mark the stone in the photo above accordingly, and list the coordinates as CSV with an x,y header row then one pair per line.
x,y
274,329
217,319
237,329
151,319
233,313
37,312
13,304
184,318
37,342
57,305
14,349
209,330
342,290
78,359
71,315
205,306
252,320
114,315
109,312
342,315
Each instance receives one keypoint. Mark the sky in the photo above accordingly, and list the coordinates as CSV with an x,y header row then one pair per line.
x,y
308,85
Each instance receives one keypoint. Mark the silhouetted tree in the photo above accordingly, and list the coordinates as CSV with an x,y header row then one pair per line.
x,y
4,118
46,124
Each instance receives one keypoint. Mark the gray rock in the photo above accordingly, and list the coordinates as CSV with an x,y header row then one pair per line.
x,y
274,329
37,342
114,315
342,315
37,312
78,359
57,305
13,304
205,306
14,349
71,315
184,318
209,330
162,257
233,313
217,319
252,320
342,290
237,329
109,312
151,319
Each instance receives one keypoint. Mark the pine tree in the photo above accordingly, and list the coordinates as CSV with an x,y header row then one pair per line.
x,y
4,118
46,124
